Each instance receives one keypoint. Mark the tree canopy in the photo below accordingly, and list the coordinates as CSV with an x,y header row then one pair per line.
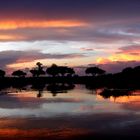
x,y
2,73
95,71
19,73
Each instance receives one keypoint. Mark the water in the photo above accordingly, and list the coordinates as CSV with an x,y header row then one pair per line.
x,y
66,113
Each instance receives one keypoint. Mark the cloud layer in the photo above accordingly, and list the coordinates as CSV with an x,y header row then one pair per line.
x,y
96,20
14,57
97,31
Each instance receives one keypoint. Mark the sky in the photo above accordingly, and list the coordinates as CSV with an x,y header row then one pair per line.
x,y
76,33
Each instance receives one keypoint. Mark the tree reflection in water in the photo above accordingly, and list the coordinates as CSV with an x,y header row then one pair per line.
x,y
59,88
53,88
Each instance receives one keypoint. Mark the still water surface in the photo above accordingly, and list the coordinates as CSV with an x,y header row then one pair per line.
x,y
32,113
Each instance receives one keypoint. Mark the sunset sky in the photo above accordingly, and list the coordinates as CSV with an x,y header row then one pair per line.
x,y
78,33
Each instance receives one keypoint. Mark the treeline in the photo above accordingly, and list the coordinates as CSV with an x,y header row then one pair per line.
x,y
53,71
64,71
95,77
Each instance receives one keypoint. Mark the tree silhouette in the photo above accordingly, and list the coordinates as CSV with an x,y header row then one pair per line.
x,y
70,71
95,71
40,72
59,70
19,73
2,73
59,88
37,71
127,70
53,70
39,66
137,70
62,70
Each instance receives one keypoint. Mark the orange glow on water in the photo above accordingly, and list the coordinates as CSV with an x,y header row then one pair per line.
x,y
34,133
125,99
135,97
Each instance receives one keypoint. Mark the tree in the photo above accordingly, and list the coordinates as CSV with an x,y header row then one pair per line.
x,y
39,65
53,70
70,71
95,71
19,73
2,73
37,73
137,69
33,72
62,70
127,71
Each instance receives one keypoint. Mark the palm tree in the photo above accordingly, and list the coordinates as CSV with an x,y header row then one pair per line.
x,y
95,71
19,73
2,73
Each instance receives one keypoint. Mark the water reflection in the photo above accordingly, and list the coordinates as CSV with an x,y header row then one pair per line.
x,y
59,88
107,93
69,98
39,88
53,88
66,108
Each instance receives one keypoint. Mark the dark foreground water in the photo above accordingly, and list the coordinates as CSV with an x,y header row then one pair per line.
x,y
73,114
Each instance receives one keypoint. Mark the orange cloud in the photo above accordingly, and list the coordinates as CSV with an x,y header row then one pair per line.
x,y
10,37
124,57
118,57
132,49
10,25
